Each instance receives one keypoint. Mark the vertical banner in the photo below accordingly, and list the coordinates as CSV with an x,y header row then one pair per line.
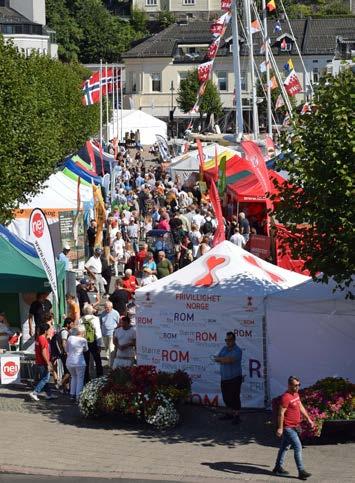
x,y
222,178
10,369
100,213
41,238
219,235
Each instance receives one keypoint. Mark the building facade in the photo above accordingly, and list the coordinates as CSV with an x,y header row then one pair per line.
x,y
155,68
191,9
24,22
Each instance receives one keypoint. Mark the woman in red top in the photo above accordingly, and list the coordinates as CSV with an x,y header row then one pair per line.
x,y
129,283
43,363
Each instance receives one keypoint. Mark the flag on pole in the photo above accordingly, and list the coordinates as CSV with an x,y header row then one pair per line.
x,y
255,27
288,66
292,84
283,44
271,5
262,67
213,48
277,27
226,5
91,86
273,83
279,102
262,49
219,26
257,165
201,89
204,71
201,158
163,147
219,235
222,175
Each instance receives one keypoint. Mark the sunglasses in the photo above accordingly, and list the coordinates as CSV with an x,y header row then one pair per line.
x,y
296,385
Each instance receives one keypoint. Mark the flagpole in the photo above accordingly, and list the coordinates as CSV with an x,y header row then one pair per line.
x,y
100,102
107,123
237,74
121,92
268,86
114,73
252,72
118,97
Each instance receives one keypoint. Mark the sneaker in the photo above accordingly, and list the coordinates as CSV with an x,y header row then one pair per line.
x,y
225,417
50,396
279,471
303,475
34,396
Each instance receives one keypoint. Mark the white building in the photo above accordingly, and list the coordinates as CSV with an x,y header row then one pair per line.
x,y
192,9
24,22
155,67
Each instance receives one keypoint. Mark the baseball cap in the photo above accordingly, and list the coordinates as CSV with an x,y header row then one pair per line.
x,y
84,281
98,250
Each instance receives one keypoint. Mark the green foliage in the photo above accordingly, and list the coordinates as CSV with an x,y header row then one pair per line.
x,y
139,19
166,18
299,10
187,95
319,155
318,8
42,121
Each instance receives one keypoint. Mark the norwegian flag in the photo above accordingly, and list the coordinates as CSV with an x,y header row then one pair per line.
x,y
204,71
292,84
91,87
226,5
213,48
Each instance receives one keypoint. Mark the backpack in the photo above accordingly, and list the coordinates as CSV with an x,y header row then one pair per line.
x,y
89,329
56,345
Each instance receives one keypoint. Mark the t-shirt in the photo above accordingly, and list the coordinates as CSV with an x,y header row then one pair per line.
x,y
244,224
39,309
163,268
150,264
125,337
41,343
109,322
238,240
293,412
83,298
130,283
74,311
118,246
141,256
234,369
119,299
75,349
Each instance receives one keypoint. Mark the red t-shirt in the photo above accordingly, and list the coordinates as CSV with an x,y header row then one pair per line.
x,y
41,343
140,257
293,412
130,284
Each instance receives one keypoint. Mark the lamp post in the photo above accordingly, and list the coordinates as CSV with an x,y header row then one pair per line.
x,y
171,112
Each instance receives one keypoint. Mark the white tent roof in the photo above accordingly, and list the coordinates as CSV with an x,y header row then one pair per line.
x,y
59,191
190,161
148,125
237,271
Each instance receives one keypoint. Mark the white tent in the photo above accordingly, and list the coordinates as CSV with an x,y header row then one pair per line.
x,y
182,319
148,125
310,334
189,163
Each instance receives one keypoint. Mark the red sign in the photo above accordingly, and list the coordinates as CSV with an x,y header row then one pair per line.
x,y
259,245
10,369
38,225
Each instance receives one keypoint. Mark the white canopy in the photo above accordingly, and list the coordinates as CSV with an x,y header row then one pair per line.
x,y
182,319
148,125
310,334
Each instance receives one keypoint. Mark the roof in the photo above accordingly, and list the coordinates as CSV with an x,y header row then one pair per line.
x,y
314,36
11,16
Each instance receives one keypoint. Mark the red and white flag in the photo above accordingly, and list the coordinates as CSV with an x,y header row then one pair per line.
x,y
226,5
255,27
292,84
279,102
256,164
204,71
219,235
283,44
110,78
219,26
213,48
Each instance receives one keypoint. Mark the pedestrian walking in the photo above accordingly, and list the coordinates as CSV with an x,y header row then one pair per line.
x,y
109,319
93,336
230,360
76,346
289,419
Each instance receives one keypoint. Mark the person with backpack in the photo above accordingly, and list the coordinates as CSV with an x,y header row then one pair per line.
x,y
93,336
76,347
60,341
289,419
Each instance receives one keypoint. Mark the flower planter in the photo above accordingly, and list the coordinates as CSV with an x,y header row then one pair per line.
x,y
338,430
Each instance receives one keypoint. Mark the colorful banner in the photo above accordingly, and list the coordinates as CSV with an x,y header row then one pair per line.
x,y
219,235
292,84
41,238
100,214
257,165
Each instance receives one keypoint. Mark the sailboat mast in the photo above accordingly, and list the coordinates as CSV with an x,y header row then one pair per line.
x,y
252,72
239,125
267,62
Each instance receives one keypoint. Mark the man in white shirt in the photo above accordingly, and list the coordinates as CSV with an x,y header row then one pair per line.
x,y
118,246
124,339
94,269
109,319
237,238
90,321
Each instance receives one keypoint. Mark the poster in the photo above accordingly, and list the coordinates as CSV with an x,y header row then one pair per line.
x,y
71,227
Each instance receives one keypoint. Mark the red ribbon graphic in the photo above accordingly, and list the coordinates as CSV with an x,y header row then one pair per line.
x,y
208,279
274,277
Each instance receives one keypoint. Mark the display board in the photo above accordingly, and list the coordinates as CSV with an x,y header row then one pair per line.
x,y
9,369
71,226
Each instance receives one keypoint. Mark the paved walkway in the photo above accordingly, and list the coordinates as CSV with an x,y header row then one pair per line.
x,y
50,438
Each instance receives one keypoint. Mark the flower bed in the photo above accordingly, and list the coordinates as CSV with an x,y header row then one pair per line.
x,y
137,391
327,400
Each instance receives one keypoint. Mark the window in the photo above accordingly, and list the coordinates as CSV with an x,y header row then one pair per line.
x,y
222,81
156,82
151,3
243,82
315,74
182,76
189,2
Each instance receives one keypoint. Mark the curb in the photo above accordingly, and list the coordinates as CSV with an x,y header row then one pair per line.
x,y
28,470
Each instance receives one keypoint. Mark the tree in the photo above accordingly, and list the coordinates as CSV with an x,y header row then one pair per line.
x,y
187,95
138,21
69,34
166,18
317,205
42,121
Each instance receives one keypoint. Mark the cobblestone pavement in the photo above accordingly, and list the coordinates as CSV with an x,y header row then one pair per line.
x,y
50,438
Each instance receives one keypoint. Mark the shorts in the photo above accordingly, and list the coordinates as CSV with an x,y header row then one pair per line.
x,y
231,392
